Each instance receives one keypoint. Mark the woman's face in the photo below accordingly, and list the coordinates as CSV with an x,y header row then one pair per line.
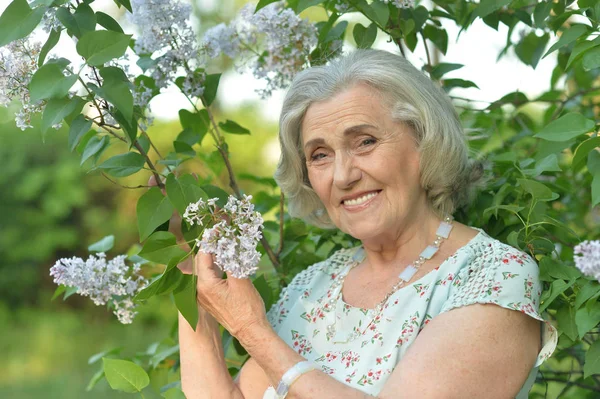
x,y
363,165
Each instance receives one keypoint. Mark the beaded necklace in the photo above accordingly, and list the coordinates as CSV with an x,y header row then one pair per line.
x,y
442,233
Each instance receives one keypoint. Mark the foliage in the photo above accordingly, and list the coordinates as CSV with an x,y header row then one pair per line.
x,y
541,196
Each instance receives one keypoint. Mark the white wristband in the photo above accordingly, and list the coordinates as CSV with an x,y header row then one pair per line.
x,y
288,378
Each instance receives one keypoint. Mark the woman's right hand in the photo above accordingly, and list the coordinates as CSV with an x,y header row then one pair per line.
x,y
186,266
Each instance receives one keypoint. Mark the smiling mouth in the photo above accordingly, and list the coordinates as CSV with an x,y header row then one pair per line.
x,y
360,200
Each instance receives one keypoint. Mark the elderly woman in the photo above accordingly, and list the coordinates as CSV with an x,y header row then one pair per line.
x,y
425,307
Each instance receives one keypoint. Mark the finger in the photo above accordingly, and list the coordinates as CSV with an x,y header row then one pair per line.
x,y
205,267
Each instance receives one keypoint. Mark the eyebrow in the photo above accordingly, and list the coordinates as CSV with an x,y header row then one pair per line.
x,y
348,132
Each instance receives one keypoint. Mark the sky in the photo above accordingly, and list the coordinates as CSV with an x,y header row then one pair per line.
x,y
477,49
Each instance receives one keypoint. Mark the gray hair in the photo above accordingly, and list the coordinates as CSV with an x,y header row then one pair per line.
x,y
446,172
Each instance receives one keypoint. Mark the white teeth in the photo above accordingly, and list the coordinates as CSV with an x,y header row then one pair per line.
x,y
360,200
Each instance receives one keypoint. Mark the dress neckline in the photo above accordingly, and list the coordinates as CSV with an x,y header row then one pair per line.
x,y
422,279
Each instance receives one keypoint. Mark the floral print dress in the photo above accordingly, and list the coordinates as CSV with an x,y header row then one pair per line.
x,y
363,351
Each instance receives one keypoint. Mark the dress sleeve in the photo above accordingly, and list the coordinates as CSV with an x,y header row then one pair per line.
x,y
506,277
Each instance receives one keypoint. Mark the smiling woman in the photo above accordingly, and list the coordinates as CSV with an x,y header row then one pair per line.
x,y
425,307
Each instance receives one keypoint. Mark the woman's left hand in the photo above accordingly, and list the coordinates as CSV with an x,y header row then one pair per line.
x,y
234,303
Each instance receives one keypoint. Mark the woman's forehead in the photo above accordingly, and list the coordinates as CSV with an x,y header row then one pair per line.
x,y
360,105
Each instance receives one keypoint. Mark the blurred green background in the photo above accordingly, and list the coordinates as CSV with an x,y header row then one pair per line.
x,y
51,208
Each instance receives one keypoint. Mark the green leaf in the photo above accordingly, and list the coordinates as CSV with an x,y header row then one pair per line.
x,y
49,45
78,23
537,190
593,162
108,22
183,191
591,59
565,317
99,47
486,7
376,11
547,164
124,3
211,84
123,164
130,126
78,128
216,192
583,150
568,37
515,98
579,49
443,68
59,290
175,393
98,375
364,37
168,281
263,3
558,270
196,122
18,20
49,82
104,245
153,209
556,288
587,318
233,128
337,32
592,360
58,108
449,84
438,36
94,358
115,89
531,47
161,247
263,288
590,289
94,147
304,4
566,127
124,375
595,190
185,301
541,13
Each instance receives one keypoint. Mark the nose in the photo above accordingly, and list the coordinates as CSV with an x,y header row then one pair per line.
x,y
346,174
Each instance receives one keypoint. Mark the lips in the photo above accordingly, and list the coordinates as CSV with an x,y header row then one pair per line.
x,y
361,199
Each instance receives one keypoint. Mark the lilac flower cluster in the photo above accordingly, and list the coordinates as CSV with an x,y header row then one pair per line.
x,y
587,258
105,282
18,63
274,41
167,36
234,235
401,3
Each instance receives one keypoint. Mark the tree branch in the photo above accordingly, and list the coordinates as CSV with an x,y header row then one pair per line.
x,y
233,182
281,217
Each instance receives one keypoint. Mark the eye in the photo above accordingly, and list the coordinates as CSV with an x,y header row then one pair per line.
x,y
368,141
317,156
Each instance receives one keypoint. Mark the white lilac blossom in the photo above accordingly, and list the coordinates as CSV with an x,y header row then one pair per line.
x,y
50,21
18,63
167,36
104,282
587,258
401,3
234,236
274,41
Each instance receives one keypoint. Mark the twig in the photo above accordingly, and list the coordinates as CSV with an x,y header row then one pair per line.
x,y
137,145
122,186
564,102
233,183
93,99
429,65
281,217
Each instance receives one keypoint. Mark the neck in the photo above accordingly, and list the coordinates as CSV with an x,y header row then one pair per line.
x,y
392,255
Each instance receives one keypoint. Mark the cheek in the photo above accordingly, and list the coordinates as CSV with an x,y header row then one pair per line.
x,y
318,181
